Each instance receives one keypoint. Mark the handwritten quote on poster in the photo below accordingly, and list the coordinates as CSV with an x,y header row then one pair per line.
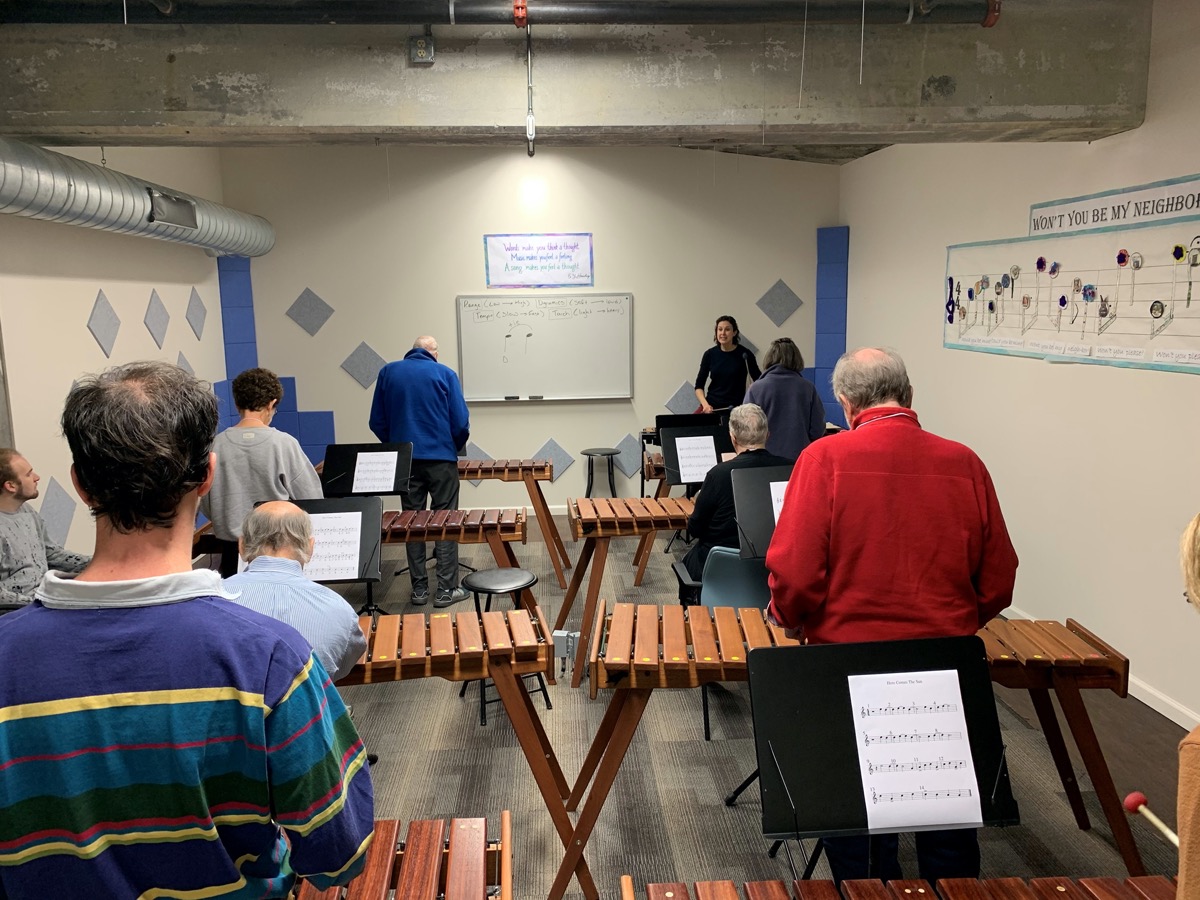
x,y
538,260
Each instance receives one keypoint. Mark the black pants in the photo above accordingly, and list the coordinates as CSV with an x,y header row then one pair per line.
x,y
434,481
940,854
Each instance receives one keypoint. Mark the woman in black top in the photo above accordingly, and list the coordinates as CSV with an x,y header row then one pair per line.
x,y
725,367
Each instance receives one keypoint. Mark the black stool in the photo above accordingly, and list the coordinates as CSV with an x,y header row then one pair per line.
x,y
499,581
606,453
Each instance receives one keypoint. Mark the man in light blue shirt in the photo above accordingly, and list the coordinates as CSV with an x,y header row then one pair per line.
x,y
277,542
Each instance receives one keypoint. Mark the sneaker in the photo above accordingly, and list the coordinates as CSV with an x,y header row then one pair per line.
x,y
420,598
449,598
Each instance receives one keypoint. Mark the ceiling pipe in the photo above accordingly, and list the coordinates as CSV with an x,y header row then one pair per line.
x,y
497,12
42,184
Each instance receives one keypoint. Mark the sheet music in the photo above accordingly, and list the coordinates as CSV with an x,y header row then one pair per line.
x,y
696,456
335,554
375,473
778,489
914,753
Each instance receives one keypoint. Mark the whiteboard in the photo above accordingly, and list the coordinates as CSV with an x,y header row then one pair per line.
x,y
545,346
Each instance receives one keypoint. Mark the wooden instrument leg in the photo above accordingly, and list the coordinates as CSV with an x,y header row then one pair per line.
x,y
596,751
505,558
554,542
645,548
510,687
585,557
535,721
1047,718
589,610
1069,698
614,754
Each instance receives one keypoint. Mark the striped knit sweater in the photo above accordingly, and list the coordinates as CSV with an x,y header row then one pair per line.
x,y
158,741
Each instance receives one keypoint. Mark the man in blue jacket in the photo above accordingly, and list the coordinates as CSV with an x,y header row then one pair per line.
x,y
420,400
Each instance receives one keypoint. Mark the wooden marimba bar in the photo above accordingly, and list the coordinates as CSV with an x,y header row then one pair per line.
x,y
596,521
530,472
436,858
498,528
503,646
1146,887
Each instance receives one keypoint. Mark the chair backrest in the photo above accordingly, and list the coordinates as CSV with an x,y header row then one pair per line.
x,y
729,580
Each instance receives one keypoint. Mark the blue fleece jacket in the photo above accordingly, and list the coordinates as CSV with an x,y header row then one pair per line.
x,y
418,399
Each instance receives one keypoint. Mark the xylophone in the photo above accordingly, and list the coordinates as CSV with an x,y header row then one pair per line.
x,y
454,860
1146,887
597,521
530,472
1044,656
498,528
462,646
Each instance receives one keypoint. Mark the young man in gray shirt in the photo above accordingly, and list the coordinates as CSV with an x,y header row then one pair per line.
x,y
26,551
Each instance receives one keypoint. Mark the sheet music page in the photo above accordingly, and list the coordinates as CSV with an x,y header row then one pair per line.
x,y
778,489
913,751
335,554
375,473
696,456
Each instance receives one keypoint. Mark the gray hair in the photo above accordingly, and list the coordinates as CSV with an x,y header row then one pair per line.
x,y
871,376
425,342
748,425
287,530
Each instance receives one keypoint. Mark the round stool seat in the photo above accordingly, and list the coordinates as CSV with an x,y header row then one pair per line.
x,y
606,454
601,451
498,581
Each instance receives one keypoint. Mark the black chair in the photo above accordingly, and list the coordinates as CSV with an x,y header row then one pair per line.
x,y
499,581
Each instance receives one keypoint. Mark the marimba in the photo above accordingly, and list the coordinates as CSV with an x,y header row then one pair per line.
x,y
1146,887
636,651
462,646
498,528
454,859
530,472
597,521
1044,656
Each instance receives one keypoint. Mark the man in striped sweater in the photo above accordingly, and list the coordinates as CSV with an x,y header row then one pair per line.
x,y
159,741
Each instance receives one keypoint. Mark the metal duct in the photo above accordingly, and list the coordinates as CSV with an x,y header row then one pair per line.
x,y
499,12
45,185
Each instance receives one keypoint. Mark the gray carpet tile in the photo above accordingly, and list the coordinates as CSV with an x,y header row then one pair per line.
x,y
665,819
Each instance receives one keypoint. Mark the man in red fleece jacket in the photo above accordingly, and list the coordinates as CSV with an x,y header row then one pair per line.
x,y
889,532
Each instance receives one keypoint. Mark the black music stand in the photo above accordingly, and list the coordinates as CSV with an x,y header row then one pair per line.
x,y
810,777
669,439
754,509
370,535
342,462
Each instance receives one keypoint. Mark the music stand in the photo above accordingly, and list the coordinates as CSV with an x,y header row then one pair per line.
x,y
722,443
809,736
688,420
754,507
367,569
341,467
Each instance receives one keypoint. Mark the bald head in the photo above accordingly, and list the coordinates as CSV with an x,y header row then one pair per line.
x,y
425,342
871,376
279,529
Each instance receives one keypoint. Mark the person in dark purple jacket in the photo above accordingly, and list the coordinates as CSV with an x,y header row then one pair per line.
x,y
795,414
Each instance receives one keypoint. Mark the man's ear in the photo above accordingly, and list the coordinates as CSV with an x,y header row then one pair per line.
x,y
83,495
241,548
206,485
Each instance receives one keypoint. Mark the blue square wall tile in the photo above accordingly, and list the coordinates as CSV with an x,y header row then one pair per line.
x,y
236,291
288,422
224,394
314,452
233,264
239,358
831,281
237,325
829,348
289,402
833,244
831,316
834,414
316,428
824,383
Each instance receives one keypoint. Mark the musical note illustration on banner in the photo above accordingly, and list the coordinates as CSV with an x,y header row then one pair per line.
x,y
920,710
335,553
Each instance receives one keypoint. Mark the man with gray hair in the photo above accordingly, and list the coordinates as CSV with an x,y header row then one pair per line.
x,y
419,400
277,542
889,532
712,522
